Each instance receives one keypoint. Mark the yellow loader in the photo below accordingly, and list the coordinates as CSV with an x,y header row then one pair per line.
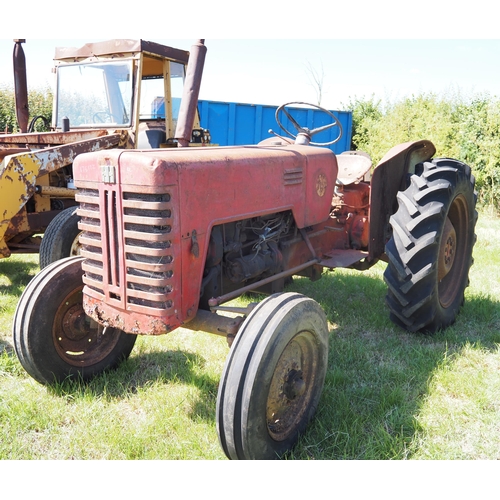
x,y
113,94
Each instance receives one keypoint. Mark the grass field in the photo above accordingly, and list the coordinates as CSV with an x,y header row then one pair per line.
x,y
389,395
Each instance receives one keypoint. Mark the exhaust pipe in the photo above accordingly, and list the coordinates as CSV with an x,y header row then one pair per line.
x,y
20,86
189,102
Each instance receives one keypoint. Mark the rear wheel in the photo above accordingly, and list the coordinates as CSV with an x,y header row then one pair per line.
x,y
53,337
430,252
273,377
60,239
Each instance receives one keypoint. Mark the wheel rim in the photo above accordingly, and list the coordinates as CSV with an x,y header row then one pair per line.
x,y
78,339
292,385
452,252
75,247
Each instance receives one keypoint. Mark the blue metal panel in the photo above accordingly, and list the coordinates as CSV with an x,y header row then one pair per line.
x,y
237,124
233,124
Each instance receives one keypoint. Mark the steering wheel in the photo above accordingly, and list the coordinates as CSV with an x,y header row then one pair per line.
x,y
304,131
104,117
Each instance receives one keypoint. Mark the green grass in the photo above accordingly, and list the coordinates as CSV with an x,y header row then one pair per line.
x,y
389,394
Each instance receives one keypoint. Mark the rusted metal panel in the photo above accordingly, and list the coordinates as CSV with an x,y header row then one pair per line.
x,y
388,178
20,85
343,258
59,192
120,46
206,321
216,301
190,94
206,186
51,138
129,321
18,175
135,229
137,323
21,227
11,151
255,172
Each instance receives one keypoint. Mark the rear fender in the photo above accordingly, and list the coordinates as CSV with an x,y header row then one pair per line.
x,y
389,177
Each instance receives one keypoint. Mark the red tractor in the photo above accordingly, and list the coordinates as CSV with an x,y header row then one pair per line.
x,y
169,236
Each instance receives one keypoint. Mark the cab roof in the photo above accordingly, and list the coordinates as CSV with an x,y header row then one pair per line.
x,y
120,46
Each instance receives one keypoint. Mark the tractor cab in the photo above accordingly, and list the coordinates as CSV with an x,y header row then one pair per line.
x,y
131,85
115,94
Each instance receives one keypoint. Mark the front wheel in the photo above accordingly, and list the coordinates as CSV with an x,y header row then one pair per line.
x,y
430,252
53,337
60,239
273,377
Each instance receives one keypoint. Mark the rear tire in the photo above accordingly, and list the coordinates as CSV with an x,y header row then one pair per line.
x,y
430,252
53,337
60,239
273,378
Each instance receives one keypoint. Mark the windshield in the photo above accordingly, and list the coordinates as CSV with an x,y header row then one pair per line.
x,y
153,92
95,94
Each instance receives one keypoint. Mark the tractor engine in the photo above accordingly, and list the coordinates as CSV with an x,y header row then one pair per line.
x,y
350,210
242,252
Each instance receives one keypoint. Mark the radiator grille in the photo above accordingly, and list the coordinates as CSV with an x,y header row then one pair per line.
x,y
126,242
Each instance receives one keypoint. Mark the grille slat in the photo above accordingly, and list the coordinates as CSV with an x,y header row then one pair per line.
x,y
137,235
145,220
142,266
126,242
145,251
157,205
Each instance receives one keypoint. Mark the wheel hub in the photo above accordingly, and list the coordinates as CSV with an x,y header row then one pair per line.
x,y
291,386
447,250
452,264
79,340
75,247
75,324
294,385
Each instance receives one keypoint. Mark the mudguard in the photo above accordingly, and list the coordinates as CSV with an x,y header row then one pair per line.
x,y
389,177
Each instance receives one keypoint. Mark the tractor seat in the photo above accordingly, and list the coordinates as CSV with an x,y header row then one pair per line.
x,y
354,166
151,139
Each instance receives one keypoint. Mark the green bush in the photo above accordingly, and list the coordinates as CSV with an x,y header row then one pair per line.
x,y
467,129
39,103
8,122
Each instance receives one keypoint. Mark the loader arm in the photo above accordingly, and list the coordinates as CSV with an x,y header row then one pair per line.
x,y
19,173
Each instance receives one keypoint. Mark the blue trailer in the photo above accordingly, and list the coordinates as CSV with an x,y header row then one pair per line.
x,y
237,124
233,123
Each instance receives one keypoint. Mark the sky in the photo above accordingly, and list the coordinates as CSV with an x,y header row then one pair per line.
x,y
271,71
265,52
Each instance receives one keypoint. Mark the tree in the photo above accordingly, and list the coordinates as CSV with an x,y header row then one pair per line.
x,y
316,79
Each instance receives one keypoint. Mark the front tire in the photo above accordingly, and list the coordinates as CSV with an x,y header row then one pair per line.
x,y
430,251
53,337
60,239
273,377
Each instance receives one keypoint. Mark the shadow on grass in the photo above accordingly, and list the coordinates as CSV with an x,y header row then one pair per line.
x,y
6,347
144,371
19,274
378,373
15,274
